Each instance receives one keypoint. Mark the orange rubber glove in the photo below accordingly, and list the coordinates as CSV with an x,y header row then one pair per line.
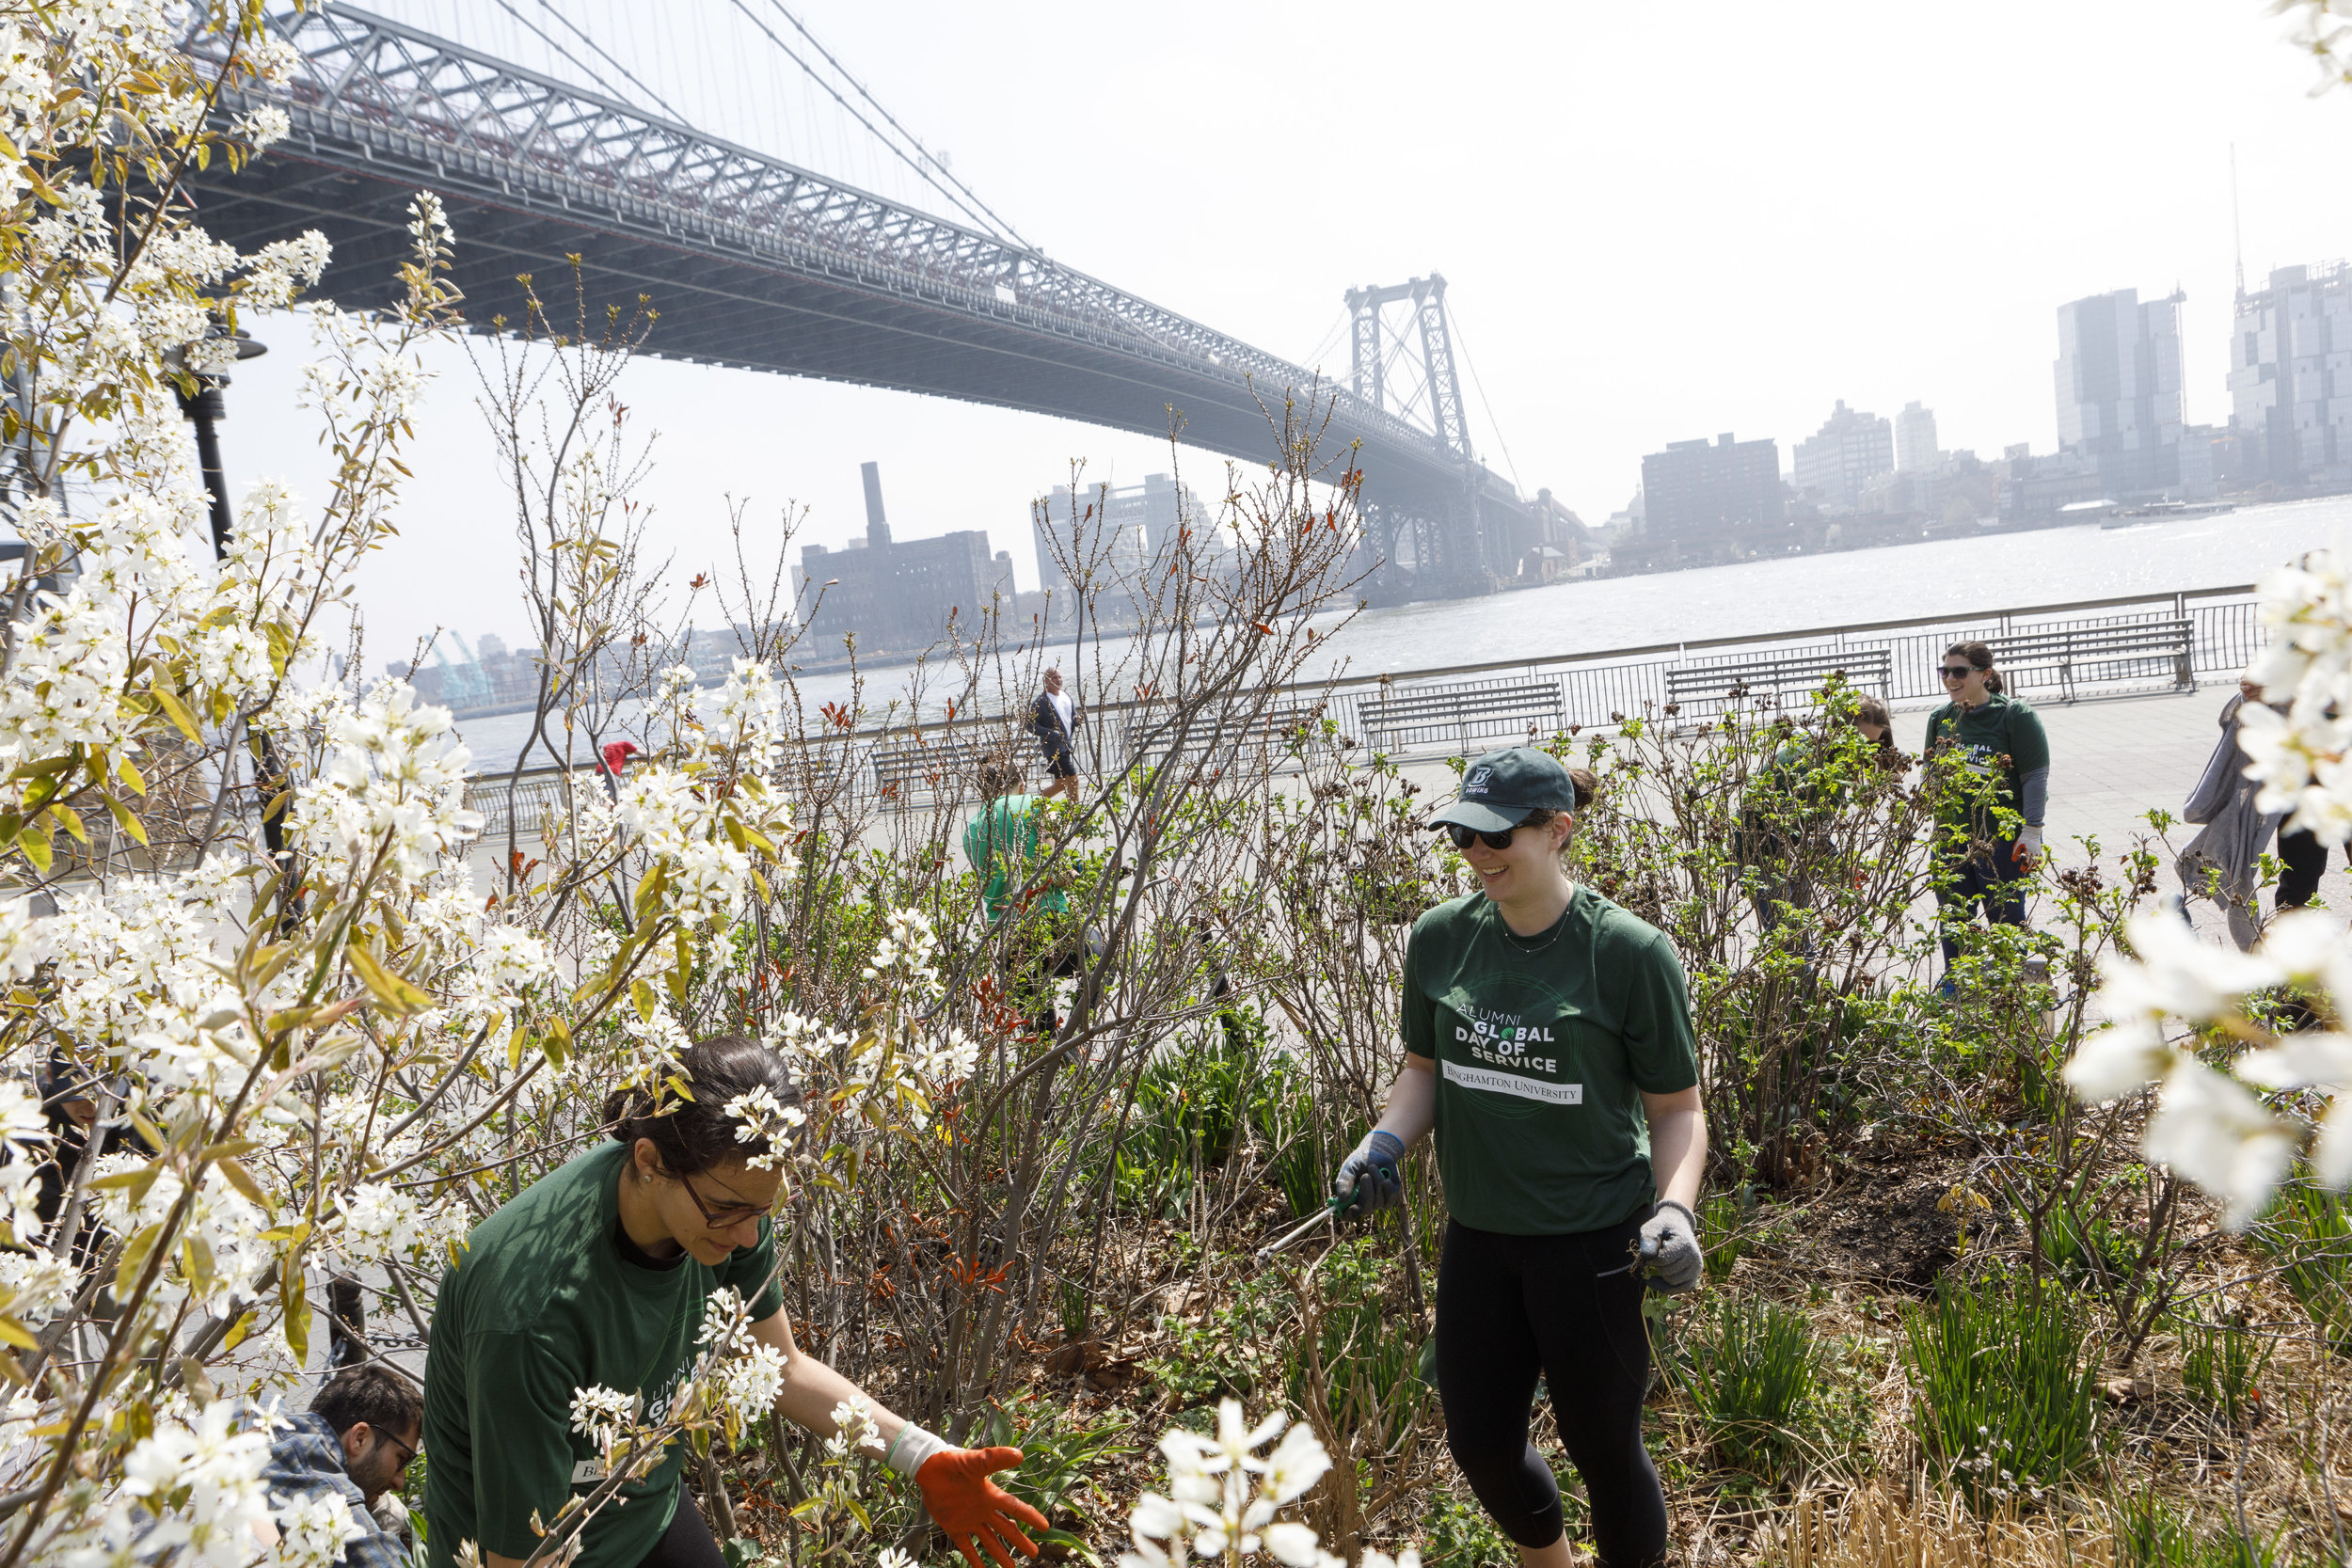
x,y
963,1501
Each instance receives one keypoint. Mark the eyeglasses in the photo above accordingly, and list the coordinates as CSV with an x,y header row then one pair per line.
x,y
1959,672
403,1448
721,1219
1463,837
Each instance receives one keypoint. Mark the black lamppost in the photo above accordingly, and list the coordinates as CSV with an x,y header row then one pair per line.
x,y
205,409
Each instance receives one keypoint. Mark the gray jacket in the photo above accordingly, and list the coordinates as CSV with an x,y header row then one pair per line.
x,y
2235,834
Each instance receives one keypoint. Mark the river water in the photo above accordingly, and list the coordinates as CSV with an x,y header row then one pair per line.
x,y
1932,578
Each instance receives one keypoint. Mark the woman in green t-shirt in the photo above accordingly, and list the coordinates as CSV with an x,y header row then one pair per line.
x,y
1547,1042
1986,855
597,1275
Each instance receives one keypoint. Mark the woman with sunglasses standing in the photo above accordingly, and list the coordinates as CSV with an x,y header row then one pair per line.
x,y
1547,1042
597,1275
2000,739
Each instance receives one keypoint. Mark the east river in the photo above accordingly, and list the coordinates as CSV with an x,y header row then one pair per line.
x,y
1932,578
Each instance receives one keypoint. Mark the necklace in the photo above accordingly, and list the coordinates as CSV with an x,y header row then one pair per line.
x,y
1518,944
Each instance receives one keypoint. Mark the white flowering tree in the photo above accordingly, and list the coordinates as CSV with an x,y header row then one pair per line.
x,y
231,1070
2238,1099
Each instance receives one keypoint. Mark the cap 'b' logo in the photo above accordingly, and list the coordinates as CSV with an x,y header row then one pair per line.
x,y
1476,783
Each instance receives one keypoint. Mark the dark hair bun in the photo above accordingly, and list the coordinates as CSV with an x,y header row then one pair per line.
x,y
692,1135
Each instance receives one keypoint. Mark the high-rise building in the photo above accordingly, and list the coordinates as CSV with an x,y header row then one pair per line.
x,y
1849,450
1695,486
897,594
2291,375
1110,534
1915,440
2119,388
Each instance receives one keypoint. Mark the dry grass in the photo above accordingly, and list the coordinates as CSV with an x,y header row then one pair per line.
x,y
1874,1528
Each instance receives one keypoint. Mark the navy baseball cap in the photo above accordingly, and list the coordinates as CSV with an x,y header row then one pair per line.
x,y
1501,788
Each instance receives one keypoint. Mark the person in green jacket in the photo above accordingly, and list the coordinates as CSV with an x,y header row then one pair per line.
x,y
2001,742
1548,1043
597,1275
1001,842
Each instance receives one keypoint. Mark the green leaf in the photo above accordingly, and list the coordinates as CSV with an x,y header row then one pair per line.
x,y
177,711
297,1307
394,990
127,820
1075,1545
134,1259
136,1181
649,888
242,1178
35,843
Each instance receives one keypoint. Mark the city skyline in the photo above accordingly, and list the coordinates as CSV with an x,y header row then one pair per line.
x,y
1931,291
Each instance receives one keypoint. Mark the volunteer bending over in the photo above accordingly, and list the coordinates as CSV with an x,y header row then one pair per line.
x,y
1548,1041
597,1275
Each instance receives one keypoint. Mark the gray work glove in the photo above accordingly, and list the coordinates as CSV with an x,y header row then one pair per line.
x,y
1670,1248
1368,1178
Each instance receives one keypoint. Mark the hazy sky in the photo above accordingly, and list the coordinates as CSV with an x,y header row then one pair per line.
x,y
1657,222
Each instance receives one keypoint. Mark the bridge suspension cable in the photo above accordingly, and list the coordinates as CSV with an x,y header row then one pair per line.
x,y
986,216
585,37
1492,423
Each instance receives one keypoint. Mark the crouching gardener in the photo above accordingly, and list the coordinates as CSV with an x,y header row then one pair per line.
x,y
597,1275
355,1440
1548,1040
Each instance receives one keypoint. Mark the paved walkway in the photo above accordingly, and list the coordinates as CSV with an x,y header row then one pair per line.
x,y
2112,759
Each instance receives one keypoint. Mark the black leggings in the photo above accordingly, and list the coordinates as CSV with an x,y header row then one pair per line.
x,y
688,1543
2306,859
1511,1307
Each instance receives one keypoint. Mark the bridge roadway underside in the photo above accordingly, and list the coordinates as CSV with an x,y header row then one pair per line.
x,y
763,307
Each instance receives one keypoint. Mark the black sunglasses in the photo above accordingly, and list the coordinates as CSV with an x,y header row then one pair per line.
x,y
1959,672
1463,837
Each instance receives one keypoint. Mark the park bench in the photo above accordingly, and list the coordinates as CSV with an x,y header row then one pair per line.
x,y
1775,675
928,767
2116,651
1460,713
1149,745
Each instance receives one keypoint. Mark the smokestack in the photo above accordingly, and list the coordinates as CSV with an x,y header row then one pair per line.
x,y
877,527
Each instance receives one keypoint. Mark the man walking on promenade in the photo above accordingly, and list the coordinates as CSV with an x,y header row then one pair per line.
x,y
1054,719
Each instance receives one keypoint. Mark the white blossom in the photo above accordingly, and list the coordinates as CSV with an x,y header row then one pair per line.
x,y
2219,1135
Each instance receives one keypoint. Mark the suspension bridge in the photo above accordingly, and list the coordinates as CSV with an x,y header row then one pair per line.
x,y
755,262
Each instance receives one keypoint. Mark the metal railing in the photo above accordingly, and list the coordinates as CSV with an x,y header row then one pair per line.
x,y
1601,689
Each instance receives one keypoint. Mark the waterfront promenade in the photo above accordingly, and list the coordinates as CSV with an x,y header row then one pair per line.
x,y
2111,759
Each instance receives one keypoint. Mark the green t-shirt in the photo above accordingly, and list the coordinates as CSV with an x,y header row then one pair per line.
x,y
1544,1047
2000,726
1000,842
544,1302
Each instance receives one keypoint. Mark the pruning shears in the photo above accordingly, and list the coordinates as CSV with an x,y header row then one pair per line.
x,y
1329,1214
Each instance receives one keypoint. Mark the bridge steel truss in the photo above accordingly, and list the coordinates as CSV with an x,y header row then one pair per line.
x,y
1472,536
756,263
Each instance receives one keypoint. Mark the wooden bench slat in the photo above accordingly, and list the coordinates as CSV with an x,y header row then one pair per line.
x,y
2062,651
1703,682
